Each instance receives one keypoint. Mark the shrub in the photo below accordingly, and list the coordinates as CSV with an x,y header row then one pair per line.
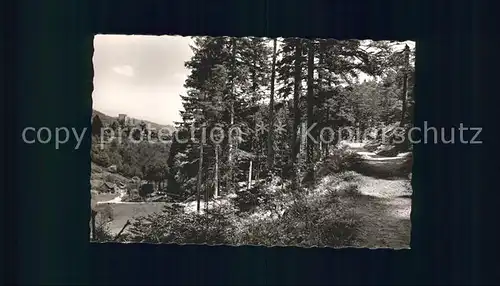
x,y
104,213
262,232
348,176
332,196
247,200
305,223
145,190
110,178
95,169
102,233
175,226
349,161
103,217
100,158
132,196
339,161
337,228
352,190
101,187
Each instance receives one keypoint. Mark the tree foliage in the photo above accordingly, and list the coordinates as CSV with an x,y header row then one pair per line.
x,y
229,85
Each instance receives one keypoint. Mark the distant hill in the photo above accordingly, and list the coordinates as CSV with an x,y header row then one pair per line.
x,y
108,120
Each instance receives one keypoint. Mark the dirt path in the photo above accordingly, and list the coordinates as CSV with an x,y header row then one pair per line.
x,y
385,203
384,210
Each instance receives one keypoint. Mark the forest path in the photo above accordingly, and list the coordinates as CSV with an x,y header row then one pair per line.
x,y
384,205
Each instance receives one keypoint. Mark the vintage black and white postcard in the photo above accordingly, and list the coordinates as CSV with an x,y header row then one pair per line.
x,y
252,141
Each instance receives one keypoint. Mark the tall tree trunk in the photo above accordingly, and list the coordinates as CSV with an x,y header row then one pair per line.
x,y
270,151
206,199
296,100
310,106
231,112
216,176
230,139
321,151
200,171
254,138
321,92
405,85
249,175
331,137
257,171
296,140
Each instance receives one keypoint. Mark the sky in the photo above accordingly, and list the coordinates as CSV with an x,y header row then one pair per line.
x,y
141,76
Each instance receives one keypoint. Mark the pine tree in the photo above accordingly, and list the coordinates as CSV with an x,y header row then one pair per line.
x,y
310,109
270,151
229,83
97,125
217,96
255,54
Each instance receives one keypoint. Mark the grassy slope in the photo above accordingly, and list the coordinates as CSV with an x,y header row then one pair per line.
x,y
381,203
99,175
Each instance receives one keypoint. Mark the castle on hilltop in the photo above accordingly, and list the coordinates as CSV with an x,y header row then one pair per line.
x,y
128,120
122,117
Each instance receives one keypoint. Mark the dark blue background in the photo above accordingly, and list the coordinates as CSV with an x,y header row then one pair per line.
x,y
50,44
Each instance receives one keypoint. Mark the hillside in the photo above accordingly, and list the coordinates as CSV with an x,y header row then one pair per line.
x,y
107,120
99,175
